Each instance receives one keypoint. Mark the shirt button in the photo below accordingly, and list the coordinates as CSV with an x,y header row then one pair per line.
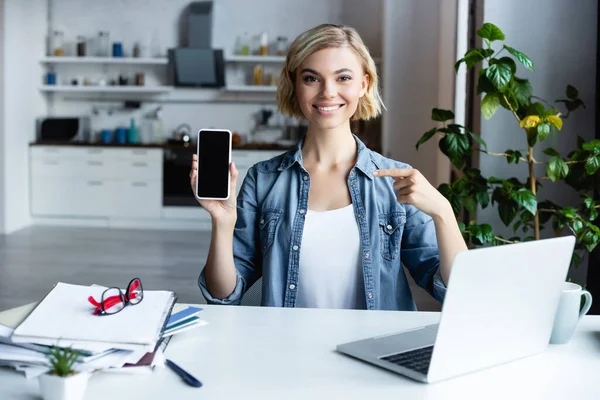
x,y
292,286
370,295
302,212
352,173
389,227
262,221
305,177
366,255
295,247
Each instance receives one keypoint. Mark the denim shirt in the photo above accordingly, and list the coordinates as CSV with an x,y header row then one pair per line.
x,y
271,209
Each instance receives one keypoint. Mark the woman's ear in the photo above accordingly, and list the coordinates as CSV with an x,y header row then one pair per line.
x,y
364,85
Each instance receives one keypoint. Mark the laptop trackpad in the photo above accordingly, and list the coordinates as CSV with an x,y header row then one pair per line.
x,y
397,343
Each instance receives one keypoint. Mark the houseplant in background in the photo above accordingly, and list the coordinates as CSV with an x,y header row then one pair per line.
x,y
517,201
62,382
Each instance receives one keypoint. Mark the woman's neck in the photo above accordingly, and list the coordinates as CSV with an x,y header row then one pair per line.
x,y
329,147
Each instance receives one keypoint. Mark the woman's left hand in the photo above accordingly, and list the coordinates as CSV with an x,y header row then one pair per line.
x,y
415,190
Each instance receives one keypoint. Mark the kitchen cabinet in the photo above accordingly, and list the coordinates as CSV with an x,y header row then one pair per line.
x,y
96,182
121,186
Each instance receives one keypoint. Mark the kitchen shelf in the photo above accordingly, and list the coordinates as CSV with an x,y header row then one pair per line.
x,y
104,60
250,88
255,59
106,89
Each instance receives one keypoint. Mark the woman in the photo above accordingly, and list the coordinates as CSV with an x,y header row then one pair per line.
x,y
329,223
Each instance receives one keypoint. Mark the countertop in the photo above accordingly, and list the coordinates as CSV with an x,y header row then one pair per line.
x,y
169,146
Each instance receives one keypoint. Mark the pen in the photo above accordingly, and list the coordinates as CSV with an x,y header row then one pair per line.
x,y
189,379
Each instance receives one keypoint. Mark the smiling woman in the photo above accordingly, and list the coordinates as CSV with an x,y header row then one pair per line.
x,y
330,223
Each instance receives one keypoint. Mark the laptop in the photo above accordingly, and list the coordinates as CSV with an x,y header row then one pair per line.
x,y
499,307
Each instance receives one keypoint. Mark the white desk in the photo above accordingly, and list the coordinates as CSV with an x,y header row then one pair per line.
x,y
274,353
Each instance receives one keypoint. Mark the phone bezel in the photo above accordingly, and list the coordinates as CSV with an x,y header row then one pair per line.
x,y
228,170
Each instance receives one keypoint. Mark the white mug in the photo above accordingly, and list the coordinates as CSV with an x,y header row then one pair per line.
x,y
568,312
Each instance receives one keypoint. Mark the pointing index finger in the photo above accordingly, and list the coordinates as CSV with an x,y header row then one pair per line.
x,y
393,172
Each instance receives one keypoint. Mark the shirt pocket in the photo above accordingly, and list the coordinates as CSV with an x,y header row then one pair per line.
x,y
390,233
266,226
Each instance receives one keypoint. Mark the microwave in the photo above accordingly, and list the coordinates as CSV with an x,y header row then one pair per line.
x,y
63,129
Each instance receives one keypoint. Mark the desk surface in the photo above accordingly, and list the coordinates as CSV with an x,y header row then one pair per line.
x,y
276,353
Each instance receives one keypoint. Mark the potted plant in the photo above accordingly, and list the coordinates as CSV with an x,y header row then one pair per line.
x,y
517,201
62,382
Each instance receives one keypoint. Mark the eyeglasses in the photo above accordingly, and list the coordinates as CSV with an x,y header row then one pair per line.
x,y
114,300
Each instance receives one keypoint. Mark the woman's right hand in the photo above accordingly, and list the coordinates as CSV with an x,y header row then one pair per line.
x,y
221,211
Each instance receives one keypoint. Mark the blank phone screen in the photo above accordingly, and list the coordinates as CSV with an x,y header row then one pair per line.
x,y
213,164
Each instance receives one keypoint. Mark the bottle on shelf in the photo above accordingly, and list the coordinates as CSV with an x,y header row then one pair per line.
x,y
132,134
103,44
58,49
281,45
264,44
258,75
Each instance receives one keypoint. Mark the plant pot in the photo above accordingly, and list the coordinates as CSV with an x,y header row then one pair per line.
x,y
63,388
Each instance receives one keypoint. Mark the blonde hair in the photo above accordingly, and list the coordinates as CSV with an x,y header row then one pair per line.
x,y
318,38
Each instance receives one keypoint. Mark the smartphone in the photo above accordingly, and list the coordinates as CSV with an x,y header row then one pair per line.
x,y
214,157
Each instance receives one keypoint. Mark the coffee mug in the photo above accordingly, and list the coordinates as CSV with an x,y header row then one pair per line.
x,y
568,312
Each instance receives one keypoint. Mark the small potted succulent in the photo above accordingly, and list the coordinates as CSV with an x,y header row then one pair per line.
x,y
62,382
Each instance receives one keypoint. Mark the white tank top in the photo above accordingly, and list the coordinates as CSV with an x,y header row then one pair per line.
x,y
330,272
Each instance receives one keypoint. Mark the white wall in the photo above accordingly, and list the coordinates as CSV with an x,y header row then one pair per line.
x,y
24,24
561,41
418,48
2,129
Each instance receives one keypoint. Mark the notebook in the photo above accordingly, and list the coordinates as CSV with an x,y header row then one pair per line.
x,y
65,317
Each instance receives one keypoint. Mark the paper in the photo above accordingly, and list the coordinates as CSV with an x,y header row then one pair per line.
x,y
178,316
185,328
65,317
18,354
13,317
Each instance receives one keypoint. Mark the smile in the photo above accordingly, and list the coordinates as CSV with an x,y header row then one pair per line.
x,y
328,109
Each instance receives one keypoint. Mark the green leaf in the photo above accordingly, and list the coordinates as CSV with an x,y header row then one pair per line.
x,y
510,63
577,226
508,211
455,128
536,108
592,146
448,193
473,56
556,168
490,32
572,92
532,136
513,156
590,239
456,147
551,152
500,75
470,204
521,57
426,136
543,131
483,198
481,234
489,105
484,84
479,140
592,164
438,114
522,90
461,226
525,198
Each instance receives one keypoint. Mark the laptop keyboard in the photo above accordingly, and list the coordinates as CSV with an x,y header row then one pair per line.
x,y
417,360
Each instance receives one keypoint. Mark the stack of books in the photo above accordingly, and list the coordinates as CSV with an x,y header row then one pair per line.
x,y
132,340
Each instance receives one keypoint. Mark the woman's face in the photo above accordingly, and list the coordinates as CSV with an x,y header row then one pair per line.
x,y
329,84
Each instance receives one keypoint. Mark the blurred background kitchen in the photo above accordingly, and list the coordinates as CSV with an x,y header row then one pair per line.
x,y
102,100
